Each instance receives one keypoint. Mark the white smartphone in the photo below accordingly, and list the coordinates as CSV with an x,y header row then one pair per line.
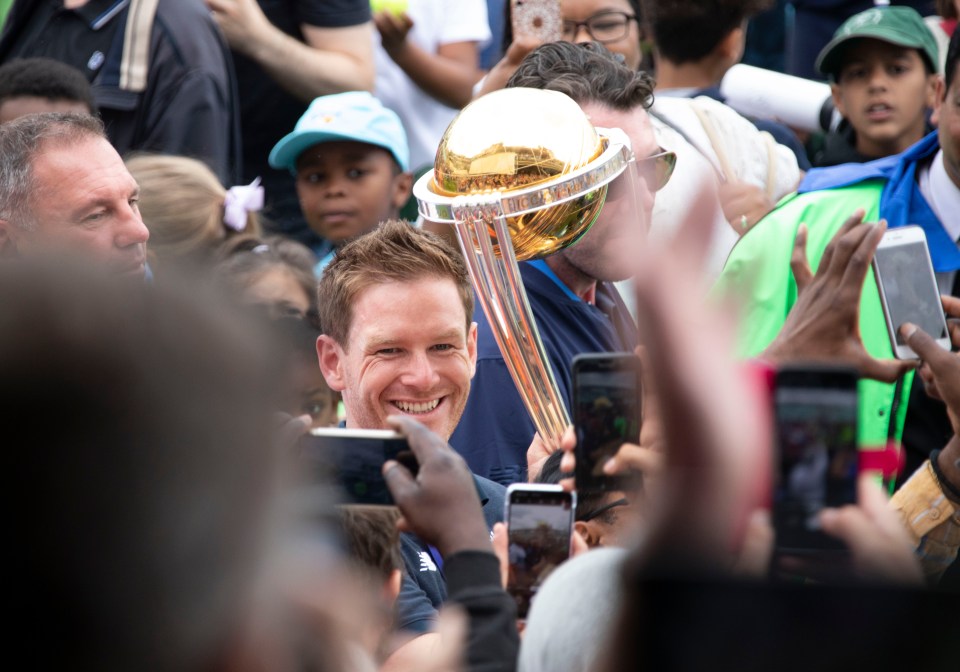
x,y
540,533
908,287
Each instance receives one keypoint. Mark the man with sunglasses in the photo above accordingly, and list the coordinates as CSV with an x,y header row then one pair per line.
x,y
575,304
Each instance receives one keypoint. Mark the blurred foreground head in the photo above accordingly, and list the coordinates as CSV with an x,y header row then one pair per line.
x,y
145,464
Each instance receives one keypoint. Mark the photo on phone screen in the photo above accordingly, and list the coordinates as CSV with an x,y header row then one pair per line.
x,y
540,19
540,530
353,460
607,399
908,287
816,427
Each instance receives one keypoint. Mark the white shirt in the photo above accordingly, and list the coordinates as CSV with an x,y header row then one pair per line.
x,y
435,22
943,197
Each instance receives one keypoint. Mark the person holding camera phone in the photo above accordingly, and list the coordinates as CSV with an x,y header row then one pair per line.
x,y
920,186
398,340
929,502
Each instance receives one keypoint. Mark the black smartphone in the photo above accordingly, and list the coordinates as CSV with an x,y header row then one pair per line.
x,y
353,459
607,412
908,287
540,531
815,411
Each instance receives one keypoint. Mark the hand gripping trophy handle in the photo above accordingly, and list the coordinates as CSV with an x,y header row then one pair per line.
x,y
499,288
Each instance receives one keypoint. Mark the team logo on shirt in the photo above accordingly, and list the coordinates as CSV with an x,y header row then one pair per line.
x,y
426,562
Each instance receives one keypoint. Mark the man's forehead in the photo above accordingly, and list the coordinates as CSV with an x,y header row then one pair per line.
x,y
397,296
635,123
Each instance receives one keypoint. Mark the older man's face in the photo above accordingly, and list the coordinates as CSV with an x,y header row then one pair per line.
x,y
84,202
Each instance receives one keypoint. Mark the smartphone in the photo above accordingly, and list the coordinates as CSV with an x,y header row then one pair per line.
x,y
540,533
815,412
607,410
353,459
908,287
540,19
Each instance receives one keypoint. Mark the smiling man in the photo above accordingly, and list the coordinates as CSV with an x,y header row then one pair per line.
x,y
395,306
65,190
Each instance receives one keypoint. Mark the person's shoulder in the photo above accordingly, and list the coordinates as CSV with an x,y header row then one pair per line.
x,y
491,491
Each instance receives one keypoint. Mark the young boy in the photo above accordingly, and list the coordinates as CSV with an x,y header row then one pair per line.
x,y
882,65
351,162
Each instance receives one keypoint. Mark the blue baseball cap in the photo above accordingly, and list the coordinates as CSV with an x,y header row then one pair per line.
x,y
356,116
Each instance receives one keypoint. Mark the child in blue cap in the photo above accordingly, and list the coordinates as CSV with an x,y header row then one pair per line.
x,y
351,162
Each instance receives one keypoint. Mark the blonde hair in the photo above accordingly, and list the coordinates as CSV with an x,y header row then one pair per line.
x,y
181,201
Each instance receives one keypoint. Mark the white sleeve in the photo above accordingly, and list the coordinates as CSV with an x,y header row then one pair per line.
x,y
749,151
464,21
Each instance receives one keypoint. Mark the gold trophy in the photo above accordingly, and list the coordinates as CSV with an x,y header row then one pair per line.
x,y
521,174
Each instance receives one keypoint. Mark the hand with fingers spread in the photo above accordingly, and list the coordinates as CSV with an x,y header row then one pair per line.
x,y
824,323
440,505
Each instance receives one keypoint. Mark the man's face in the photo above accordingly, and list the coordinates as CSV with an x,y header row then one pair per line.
x,y
884,91
609,249
348,188
408,351
84,199
947,118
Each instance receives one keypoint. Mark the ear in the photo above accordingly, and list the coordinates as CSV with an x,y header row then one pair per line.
x,y
837,96
472,347
939,95
8,239
731,47
588,531
391,589
402,188
330,356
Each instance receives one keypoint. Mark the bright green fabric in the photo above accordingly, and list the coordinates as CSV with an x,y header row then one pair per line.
x,y
4,10
757,278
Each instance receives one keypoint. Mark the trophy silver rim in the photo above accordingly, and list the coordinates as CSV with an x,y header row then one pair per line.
x,y
598,173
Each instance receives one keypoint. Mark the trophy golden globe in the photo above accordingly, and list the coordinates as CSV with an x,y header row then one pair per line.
x,y
522,174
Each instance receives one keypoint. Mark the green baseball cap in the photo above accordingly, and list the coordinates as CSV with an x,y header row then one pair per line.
x,y
902,26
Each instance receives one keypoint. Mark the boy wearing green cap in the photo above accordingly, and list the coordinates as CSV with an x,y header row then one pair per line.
x,y
882,66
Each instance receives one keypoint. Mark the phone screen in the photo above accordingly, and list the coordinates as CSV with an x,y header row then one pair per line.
x,y
910,289
353,461
607,413
818,459
540,525
540,19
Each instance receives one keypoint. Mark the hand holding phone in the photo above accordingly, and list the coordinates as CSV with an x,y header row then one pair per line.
x,y
540,534
908,288
540,19
354,458
607,409
815,411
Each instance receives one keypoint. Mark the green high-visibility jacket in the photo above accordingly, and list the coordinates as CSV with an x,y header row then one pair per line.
x,y
757,277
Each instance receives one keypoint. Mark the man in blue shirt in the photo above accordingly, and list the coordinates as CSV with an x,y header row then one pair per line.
x,y
574,302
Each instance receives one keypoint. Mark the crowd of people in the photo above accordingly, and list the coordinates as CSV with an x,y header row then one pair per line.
x,y
210,246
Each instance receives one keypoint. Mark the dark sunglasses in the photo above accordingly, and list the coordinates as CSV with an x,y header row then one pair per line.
x,y
663,164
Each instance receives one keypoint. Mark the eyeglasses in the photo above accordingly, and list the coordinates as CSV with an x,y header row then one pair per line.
x,y
663,164
596,513
603,27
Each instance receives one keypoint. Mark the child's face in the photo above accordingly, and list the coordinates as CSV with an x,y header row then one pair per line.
x,y
884,91
348,188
